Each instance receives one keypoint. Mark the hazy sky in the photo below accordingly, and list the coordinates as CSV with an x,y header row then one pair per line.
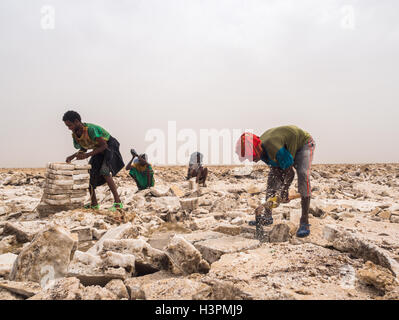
x,y
330,67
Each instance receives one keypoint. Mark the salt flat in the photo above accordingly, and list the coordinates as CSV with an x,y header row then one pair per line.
x,y
360,203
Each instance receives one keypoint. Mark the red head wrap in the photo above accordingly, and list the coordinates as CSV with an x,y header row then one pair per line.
x,y
248,146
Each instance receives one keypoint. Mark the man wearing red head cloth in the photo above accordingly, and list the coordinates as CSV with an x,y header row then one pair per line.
x,y
282,148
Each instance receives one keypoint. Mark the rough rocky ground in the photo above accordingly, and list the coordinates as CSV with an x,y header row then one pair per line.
x,y
179,242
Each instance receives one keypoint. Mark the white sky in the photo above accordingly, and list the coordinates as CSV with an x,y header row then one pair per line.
x,y
132,65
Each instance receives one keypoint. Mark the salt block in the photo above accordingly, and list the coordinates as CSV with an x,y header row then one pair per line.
x,y
24,230
118,288
57,202
159,191
46,210
52,176
80,186
84,233
59,182
242,171
65,189
172,289
82,166
203,223
193,185
61,166
56,196
229,229
79,194
84,176
252,189
78,200
213,249
80,182
51,185
60,172
58,191
6,263
394,218
201,236
177,191
78,172
279,233
189,204
25,289
120,232
91,276
386,215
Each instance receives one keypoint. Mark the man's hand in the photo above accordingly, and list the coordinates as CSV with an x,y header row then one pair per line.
x,y
259,210
70,158
81,156
133,153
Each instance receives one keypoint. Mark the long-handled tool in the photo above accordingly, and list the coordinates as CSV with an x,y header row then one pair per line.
x,y
268,205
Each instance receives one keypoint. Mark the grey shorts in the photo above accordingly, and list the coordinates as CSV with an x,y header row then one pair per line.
x,y
302,164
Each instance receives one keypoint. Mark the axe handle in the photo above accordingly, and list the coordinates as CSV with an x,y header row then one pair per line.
x,y
295,196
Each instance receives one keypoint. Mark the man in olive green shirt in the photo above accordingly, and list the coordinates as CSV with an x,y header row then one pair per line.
x,y
282,148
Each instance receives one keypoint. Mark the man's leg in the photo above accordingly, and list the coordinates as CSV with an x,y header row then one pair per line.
x,y
305,204
194,173
202,173
274,183
93,198
106,172
205,176
303,162
112,186
288,177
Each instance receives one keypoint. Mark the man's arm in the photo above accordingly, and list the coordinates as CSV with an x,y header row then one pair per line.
x,y
102,145
129,165
148,178
70,158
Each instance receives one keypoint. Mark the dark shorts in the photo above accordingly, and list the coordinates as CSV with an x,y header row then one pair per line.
x,y
106,163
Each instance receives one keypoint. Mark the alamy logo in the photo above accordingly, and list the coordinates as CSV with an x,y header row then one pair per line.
x,y
348,276
47,21
48,277
348,17
176,146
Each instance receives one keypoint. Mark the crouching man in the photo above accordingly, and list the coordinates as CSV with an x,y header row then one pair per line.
x,y
282,148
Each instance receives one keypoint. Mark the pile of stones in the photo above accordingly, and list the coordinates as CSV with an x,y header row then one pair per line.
x,y
65,188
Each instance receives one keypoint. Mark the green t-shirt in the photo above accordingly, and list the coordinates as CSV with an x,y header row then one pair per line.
x,y
88,138
290,137
140,174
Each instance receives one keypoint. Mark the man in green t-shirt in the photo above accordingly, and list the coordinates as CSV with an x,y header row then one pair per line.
x,y
282,148
106,160
141,171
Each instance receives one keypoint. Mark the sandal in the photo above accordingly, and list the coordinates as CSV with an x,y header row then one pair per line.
x,y
303,230
116,206
89,206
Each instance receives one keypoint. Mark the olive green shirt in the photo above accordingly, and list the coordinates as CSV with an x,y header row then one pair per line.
x,y
290,137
